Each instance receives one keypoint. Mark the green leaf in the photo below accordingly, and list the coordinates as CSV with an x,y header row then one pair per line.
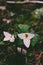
x,y
20,18
23,28
30,54
19,42
35,40
29,63
15,35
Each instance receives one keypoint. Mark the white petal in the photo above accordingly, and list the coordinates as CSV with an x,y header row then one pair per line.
x,y
7,34
12,39
30,36
26,42
6,39
21,36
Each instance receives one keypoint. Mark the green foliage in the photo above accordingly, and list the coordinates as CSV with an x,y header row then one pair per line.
x,y
20,18
29,63
2,43
23,21
30,54
19,42
35,40
23,28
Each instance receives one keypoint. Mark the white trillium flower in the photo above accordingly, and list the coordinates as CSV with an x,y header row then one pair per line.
x,y
26,38
8,37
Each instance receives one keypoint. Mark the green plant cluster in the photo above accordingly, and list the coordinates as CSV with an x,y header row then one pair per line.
x,y
24,20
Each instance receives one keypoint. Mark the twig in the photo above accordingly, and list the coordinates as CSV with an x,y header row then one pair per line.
x,y
38,56
23,2
41,2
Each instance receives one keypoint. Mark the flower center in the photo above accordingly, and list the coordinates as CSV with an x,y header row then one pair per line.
x,y
11,36
26,35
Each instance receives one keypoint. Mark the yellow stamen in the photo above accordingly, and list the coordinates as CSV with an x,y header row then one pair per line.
x,y
26,35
